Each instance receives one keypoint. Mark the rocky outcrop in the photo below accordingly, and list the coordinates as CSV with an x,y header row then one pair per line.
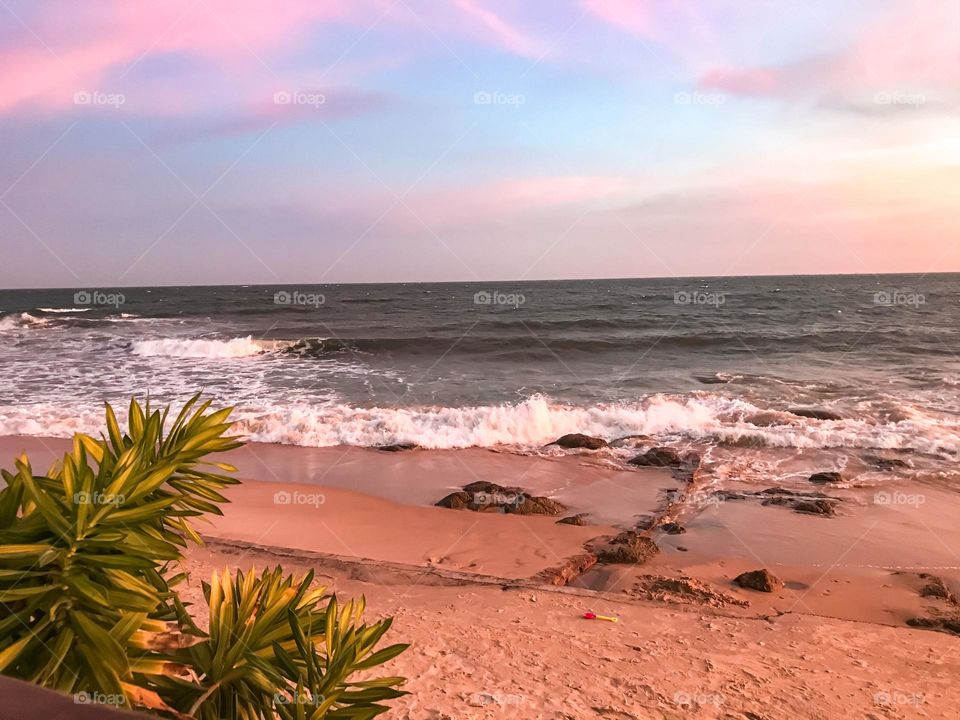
x,y
483,496
629,547
579,519
825,478
760,580
657,457
579,440
882,463
398,447
683,590
673,528
569,570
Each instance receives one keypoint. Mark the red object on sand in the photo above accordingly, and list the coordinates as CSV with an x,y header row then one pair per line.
x,y
590,616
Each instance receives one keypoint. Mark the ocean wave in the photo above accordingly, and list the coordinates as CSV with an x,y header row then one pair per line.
x,y
19,321
63,310
202,348
536,421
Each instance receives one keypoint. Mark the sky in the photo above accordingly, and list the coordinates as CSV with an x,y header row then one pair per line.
x,y
181,142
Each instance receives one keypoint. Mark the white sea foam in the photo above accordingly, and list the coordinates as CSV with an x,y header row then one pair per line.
x,y
19,321
533,423
200,348
63,310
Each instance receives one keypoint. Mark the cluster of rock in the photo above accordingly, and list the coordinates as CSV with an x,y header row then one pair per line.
x,y
483,496
629,547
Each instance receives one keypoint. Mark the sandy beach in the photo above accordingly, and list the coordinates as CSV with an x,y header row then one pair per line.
x,y
496,634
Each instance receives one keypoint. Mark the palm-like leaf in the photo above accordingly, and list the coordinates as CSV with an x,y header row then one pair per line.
x,y
275,645
87,600
83,548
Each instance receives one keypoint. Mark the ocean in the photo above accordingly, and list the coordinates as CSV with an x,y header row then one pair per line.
x,y
710,362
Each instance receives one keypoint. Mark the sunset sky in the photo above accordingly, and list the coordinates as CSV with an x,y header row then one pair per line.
x,y
246,141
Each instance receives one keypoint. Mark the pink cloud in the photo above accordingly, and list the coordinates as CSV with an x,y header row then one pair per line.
x,y
503,32
908,48
75,50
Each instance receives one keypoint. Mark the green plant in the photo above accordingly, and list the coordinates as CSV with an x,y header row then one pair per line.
x,y
87,598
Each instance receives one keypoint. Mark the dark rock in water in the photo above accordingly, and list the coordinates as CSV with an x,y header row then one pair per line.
x,y
483,496
886,463
673,528
822,478
398,447
778,491
816,413
658,457
761,580
715,379
819,506
628,547
578,519
579,440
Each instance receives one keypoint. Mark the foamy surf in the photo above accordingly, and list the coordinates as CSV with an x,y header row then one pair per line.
x,y
20,321
536,421
202,348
